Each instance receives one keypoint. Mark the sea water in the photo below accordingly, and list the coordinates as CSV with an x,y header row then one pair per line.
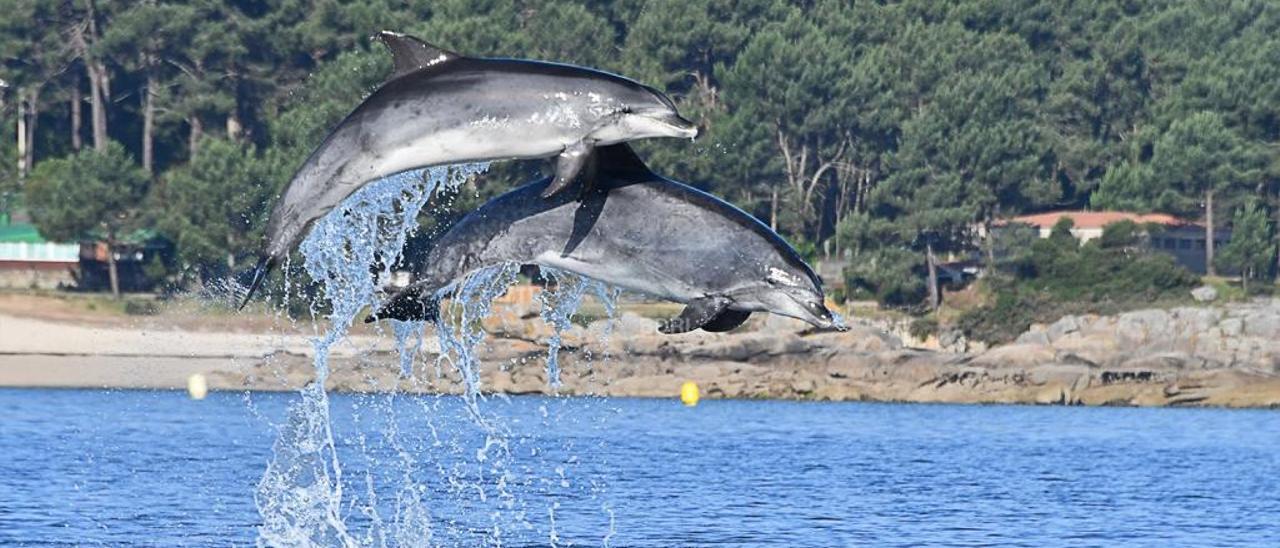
x,y
112,468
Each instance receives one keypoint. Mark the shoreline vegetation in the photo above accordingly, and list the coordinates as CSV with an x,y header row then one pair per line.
x,y
1224,355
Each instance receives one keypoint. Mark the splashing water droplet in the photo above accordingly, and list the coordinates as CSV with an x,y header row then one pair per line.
x,y
303,497
300,496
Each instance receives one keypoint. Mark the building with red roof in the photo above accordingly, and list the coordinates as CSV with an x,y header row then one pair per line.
x,y
1183,239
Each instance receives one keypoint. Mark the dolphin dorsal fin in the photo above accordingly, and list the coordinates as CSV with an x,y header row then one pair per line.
x,y
620,158
409,54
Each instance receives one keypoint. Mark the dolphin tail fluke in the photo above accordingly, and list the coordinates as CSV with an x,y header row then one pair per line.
x,y
407,305
265,264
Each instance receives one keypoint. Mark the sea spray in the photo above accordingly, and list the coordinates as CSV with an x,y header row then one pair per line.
x,y
300,496
493,483
460,333
303,498
560,300
459,330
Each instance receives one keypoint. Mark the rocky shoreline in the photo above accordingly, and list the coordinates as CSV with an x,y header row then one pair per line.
x,y
1221,355
1213,356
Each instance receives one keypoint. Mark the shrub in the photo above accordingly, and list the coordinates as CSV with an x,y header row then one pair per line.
x,y
889,275
1059,276
921,328
141,307
1123,234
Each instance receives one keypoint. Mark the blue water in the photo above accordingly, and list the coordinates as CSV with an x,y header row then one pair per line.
x,y
154,468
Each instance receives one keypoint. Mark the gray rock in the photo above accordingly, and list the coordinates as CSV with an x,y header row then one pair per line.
x,y
1264,323
1063,327
1033,337
1161,361
1141,326
952,340
1204,294
1231,327
1015,355
1195,321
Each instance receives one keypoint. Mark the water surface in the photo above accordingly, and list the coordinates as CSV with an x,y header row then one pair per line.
x,y
137,467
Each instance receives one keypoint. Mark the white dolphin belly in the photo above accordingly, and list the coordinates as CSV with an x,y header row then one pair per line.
x,y
623,275
456,146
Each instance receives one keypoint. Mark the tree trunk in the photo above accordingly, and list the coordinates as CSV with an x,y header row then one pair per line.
x,y
22,138
149,123
773,209
98,105
113,274
99,85
77,142
193,139
935,296
33,118
989,243
1208,233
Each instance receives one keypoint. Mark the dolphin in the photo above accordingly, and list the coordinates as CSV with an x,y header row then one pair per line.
x,y
633,229
440,108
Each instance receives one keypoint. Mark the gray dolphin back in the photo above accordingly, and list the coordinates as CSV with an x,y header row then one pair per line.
x,y
625,226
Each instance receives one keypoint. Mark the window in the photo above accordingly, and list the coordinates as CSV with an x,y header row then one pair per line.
x,y
1200,244
1184,243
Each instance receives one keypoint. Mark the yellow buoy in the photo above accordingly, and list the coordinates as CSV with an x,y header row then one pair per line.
x,y
197,386
689,393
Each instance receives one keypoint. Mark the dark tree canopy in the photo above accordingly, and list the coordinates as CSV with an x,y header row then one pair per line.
x,y
880,130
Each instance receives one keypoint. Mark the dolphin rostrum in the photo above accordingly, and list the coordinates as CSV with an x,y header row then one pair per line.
x,y
441,108
720,261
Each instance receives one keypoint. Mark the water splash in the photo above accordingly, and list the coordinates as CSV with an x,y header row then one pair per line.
x,y
560,301
303,497
459,329
460,333
300,496
409,341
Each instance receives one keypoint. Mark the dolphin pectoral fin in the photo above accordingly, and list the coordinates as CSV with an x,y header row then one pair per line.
x,y
590,205
698,313
409,54
260,272
568,166
726,321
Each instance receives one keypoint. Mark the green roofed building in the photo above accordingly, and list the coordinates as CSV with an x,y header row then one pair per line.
x,y
28,261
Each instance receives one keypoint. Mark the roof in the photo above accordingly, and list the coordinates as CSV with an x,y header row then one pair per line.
x,y
1096,219
20,232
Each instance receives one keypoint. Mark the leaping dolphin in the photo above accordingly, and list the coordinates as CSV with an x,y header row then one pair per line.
x,y
720,261
441,108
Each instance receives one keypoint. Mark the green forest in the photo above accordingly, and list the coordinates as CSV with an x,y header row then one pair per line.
x,y
883,132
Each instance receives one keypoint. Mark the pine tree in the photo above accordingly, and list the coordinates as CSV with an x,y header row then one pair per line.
x,y
1252,247
92,194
